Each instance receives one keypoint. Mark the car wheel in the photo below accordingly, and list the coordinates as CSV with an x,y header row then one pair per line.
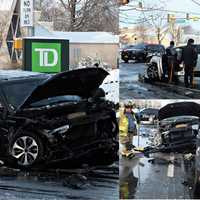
x,y
27,149
126,61
152,72
141,59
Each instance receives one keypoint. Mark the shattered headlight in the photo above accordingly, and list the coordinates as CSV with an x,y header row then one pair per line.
x,y
60,130
195,127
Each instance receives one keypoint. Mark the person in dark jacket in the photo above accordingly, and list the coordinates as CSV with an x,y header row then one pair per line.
x,y
190,60
171,56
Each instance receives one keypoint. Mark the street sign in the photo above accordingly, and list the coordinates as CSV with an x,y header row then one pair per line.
x,y
26,16
180,21
45,55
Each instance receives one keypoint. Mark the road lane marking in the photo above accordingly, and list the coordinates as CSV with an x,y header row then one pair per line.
x,y
170,170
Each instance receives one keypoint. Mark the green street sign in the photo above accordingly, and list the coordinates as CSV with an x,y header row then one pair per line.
x,y
181,21
46,57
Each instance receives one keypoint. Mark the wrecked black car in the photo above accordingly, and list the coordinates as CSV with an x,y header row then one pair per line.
x,y
178,126
52,118
140,52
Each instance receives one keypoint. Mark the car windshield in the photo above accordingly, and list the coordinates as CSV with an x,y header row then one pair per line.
x,y
129,47
17,92
57,99
157,48
139,46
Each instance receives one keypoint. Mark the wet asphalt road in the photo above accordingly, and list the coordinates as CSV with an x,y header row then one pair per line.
x,y
99,185
131,87
142,179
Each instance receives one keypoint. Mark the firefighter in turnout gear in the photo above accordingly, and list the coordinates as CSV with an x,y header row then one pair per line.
x,y
127,129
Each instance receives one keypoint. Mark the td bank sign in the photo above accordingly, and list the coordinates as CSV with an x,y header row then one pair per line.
x,y
46,57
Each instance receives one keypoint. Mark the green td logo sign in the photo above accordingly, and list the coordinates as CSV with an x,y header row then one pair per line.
x,y
46,57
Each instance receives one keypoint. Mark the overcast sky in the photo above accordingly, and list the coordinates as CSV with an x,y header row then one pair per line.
x,y
178,5
5,4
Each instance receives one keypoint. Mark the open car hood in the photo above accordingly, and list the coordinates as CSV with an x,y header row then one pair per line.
x,y
179,109
81,82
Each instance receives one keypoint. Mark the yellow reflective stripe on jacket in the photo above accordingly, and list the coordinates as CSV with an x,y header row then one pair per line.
x,y
123,125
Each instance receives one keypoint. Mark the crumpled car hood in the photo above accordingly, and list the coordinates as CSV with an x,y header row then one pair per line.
x,y
82,82
179,109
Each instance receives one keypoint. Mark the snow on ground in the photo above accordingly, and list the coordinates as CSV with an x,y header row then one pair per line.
x,y
111,86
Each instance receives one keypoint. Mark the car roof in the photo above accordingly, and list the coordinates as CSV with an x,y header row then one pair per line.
x,y
6,75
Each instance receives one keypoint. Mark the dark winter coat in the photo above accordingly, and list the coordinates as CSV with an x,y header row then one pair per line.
x,y
190,55
131,122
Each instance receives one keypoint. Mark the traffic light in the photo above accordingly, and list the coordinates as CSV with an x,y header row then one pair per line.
x,y
140,5
187,16
168,18
123,2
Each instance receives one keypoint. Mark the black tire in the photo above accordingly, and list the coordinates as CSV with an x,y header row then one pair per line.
x,y
126,60
196,189
32,152
141,59
152,72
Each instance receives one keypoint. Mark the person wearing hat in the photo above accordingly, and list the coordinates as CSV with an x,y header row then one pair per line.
x,y
189,57
127,127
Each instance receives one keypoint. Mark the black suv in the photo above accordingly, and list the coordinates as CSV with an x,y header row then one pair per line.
x,y
52,118
140,52
179,125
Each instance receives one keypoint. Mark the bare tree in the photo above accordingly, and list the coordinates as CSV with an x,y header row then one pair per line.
x,y
142,31
90,15
154,15
3,24
81,15
176,32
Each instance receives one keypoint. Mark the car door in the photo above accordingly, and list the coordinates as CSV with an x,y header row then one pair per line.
x,y
197,68
2,106
3,128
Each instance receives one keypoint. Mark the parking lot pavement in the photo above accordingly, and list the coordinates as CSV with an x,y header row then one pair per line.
x,y
99,184
131,87
162,176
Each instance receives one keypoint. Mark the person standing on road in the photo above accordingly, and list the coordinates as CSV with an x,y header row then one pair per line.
x,y
127,128
189,57
171,56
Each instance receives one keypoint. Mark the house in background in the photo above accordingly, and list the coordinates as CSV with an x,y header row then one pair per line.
x,y
101,46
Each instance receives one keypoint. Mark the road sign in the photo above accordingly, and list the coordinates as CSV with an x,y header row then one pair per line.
x,y
26,16
180,21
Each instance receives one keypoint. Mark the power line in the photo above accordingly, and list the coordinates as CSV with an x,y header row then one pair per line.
x,y
197,3
157,9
